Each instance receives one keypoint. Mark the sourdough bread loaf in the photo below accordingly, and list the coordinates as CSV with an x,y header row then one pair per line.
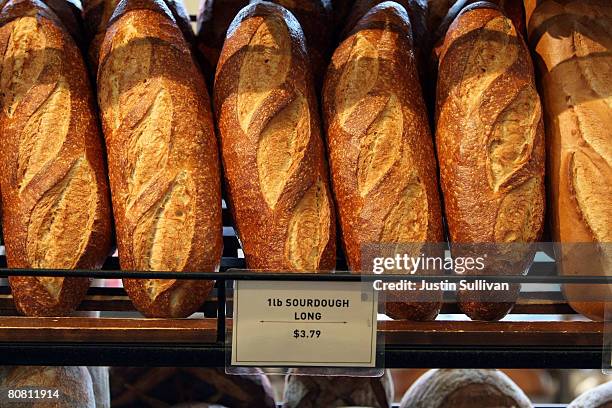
x,y
162,157
572,41
382,161
73,385
490,142
273,155
314,392
143,387
598,397
56,210
464,389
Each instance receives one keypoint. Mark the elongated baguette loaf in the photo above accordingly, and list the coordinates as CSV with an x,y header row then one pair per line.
x,y
162,156
272,149
572,41
382,162
490,141
56,210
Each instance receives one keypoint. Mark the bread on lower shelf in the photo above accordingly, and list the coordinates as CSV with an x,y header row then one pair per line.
x,y
464,388
598,397
73,385
318,391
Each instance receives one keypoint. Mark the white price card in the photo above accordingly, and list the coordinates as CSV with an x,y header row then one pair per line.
x,y
304,324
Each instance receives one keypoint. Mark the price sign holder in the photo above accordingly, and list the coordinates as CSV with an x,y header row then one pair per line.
x,y
303,327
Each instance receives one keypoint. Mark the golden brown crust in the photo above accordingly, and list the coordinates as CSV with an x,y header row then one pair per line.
x,y
573,48
272,149
381,153
490,141
163,159
74,385
97,15
55,196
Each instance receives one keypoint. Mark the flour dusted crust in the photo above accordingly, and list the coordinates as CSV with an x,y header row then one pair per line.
x,y
331,391
272,150
379,142
463,388
598,397
490,141
55,198
162,155
577,92
73,384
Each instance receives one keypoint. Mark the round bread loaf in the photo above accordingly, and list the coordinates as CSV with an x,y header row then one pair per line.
x,y
464,389
598,397
73,385
315,392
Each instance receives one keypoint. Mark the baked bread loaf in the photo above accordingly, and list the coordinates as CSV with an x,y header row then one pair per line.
x,y
162,157
490,141
315,17
72,383
100,386
315,392
97,14
572,41
464,389
382,162
56,210
214,17
598,397
273,155
143,387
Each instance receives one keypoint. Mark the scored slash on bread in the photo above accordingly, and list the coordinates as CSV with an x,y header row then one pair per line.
x,y
162,156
